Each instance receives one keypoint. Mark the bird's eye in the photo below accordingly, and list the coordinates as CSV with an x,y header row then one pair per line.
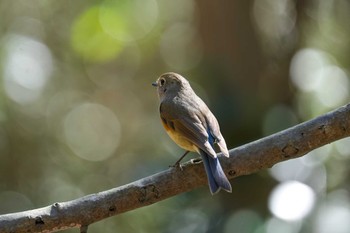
x,y
162,82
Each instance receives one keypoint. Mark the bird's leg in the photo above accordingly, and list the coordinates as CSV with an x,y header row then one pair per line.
x,y
177,164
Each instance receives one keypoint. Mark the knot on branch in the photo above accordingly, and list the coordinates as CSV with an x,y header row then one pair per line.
x,y
232,173
322,128
39,220
112,208
148,193
289,151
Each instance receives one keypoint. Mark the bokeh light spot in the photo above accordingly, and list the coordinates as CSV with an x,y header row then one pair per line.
x,y
333,86
92,131
89,39
27,68
274,19
128,20
343,147
334,214
290,170
312,174
317,156
276,225
291,201
305,64
333,219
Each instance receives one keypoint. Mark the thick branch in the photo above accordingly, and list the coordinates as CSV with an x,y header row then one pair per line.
x,y
261,154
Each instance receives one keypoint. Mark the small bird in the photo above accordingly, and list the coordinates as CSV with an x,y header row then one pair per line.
x,y
191,125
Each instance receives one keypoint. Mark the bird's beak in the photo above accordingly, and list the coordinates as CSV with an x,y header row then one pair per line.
x,y
155,84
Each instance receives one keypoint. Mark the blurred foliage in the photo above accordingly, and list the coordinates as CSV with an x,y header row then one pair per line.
x,y
78,114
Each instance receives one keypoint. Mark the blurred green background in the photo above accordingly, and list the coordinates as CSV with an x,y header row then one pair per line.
x,y
78,114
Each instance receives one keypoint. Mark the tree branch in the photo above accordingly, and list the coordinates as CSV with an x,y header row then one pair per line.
x,y
261,154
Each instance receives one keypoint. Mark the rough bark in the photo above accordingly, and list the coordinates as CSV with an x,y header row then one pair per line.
x,y
250,158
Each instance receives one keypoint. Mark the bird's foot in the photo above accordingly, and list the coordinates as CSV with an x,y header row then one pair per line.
x,y
176,165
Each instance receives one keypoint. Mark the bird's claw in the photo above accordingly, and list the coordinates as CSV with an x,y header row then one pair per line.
x,y
176,165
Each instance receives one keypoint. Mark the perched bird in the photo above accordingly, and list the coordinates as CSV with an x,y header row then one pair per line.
x,y
191,125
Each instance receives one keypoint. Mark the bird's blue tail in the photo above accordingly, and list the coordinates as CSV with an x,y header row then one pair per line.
x,y
216,177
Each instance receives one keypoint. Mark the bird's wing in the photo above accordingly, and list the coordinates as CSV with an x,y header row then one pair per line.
x,y
187,124
214,130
